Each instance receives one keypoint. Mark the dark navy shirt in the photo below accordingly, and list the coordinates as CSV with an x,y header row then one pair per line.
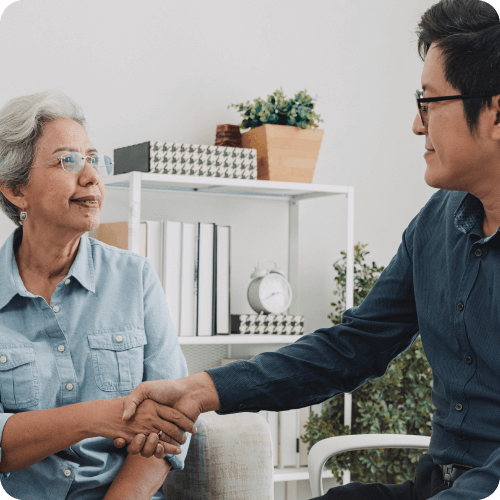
x,y
444,285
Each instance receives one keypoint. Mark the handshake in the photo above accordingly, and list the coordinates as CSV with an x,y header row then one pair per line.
x,y
169,406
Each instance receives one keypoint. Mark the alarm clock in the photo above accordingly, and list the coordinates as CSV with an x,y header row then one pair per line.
x,y
269,291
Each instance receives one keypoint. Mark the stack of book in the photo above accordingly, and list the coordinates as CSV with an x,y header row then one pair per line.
x,y
192,261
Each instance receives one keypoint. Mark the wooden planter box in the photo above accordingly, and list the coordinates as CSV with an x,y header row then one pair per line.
x,y
284,153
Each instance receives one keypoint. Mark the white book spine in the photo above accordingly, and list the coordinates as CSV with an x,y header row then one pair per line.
x,y
172,252
187,305
154,245
288,438
205,316
272,420
223,272
304,414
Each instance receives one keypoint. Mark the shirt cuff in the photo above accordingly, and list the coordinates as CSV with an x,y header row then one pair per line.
x,y
3,420
177,461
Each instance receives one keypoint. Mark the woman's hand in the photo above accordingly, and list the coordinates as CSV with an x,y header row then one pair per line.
x,y
149,418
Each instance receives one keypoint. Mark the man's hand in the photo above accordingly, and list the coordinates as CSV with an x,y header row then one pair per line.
x,y
190,396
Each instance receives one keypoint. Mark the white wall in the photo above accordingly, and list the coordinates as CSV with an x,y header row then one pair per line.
x,y
164,70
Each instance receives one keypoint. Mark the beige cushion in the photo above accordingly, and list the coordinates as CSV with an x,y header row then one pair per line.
x,y
229,458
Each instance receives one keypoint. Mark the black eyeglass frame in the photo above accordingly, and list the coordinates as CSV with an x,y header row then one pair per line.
x,y
421,100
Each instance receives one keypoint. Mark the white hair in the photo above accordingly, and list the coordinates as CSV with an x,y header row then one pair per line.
x,y
21,122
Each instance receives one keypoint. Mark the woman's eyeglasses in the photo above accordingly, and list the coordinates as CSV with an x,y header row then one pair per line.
x,y
74,163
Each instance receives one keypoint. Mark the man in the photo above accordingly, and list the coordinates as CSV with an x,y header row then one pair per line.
x,y
443,284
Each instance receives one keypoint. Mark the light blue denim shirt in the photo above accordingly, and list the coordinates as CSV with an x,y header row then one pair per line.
x,y
106,330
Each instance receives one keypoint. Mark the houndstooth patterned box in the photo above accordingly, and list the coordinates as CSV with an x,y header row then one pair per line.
x,y
267,324
187,159
207,161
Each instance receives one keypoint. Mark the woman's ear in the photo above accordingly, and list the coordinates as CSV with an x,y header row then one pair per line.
x,y
14,195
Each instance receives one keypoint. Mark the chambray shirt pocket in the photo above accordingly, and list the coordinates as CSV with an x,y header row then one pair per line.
x,y
118,359
19,378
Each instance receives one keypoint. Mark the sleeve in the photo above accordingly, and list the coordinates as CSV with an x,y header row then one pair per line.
x,y
163,357
477,483
3,420
331,360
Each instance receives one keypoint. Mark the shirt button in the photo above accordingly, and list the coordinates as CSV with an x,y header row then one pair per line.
x,y
3,359
458,407
461,438
478,252
67,282
468,360
460,307
242,406
69,387
60,348
55,309
67,473
119,338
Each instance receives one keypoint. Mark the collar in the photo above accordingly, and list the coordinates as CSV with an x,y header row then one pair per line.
x,y
469,210
82,269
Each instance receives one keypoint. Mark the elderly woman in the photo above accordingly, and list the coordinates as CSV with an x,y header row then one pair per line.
x,y
81,324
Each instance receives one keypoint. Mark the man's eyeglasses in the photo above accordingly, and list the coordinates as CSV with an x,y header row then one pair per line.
x,y
424,110
74,163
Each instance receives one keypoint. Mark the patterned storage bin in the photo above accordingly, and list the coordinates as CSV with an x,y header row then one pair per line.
x,y
187,159
267,324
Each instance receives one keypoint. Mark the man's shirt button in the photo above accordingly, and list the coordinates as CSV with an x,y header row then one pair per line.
x,y
468,360
3,359
69,387
242,406
119,338
67,282
460,307
67,473
55,309
458,407
461,438
478,252
60,348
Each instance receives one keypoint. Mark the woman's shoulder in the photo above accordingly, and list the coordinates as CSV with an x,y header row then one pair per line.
x,y
109,252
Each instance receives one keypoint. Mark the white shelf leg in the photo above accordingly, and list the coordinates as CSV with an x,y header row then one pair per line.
x,y
293,256
349,298
134,214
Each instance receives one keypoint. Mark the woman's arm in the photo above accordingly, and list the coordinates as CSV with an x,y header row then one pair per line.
x,y
139,478
31,436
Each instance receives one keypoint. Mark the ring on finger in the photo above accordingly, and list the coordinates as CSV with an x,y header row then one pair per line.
x,y
160,434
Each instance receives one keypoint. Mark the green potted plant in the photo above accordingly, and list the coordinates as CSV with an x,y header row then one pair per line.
x,y
398,402
284,132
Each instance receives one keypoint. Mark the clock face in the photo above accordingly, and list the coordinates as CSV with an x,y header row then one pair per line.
x,y
275,293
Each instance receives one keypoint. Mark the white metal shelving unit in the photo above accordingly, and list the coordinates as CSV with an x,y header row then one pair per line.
x,y
289,192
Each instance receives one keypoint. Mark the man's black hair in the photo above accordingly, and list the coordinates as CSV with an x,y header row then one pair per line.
x,y
468,34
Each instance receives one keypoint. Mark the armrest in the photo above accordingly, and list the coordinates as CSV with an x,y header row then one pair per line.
x,y
229,457
329,447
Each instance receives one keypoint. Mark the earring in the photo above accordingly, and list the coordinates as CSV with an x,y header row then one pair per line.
x,y
23,216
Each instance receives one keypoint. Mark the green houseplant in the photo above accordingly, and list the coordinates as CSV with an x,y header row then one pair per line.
x,y
398,402
280,131
278,110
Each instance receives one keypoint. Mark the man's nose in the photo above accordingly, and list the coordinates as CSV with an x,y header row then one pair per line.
x,y
418,128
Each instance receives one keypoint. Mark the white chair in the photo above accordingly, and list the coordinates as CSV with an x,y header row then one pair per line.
x,y
322,451
229,458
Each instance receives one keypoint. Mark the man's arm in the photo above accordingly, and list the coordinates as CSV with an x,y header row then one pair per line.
x,y
139,478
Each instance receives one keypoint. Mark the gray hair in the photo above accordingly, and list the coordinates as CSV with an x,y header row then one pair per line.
x,y
21,122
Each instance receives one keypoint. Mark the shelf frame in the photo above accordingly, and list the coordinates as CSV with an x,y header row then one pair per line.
x,y
290,192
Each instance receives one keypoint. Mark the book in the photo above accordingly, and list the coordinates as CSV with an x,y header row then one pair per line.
x,y
272,420
154,245
172,253
206,279
187,293
223,325
288,438
304,414
116,234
